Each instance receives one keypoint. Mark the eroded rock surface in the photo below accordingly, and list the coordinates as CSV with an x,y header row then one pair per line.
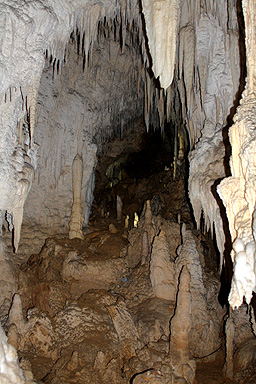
x,y
88,313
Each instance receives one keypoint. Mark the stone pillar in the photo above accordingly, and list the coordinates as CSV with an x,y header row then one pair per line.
x,y
229,331
119,208
182,366
76,218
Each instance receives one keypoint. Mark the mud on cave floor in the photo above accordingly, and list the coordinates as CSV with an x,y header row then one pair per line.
x,y
92,314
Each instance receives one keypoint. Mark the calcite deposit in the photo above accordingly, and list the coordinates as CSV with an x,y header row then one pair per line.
x,y
76,217
127,147
239,187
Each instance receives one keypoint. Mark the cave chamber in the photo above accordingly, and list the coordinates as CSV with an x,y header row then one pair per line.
x,y
127,204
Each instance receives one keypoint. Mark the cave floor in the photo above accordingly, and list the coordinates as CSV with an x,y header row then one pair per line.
x,y
92,312
212,373
47,292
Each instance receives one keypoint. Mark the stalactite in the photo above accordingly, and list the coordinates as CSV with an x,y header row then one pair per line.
x,y
22,194
162,19
187,60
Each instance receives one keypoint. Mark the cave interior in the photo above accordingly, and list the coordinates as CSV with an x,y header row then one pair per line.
x,y
127,204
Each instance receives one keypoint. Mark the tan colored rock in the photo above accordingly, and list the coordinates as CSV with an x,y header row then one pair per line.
x,y
206,313
162,270
152,319
152,376
144,248
27,370
123,322
181,322
86,274
19,327
76,218
229,332
112,228
245,356
78,321
73,362
41,335
100,361
14,336
119,209
148,215
134,248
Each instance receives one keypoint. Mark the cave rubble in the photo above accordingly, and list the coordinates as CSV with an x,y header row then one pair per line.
x,y
127,146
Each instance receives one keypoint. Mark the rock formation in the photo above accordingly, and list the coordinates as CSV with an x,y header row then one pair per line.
x,y
182,365
10,372
76,76
239,186
162,272
76,218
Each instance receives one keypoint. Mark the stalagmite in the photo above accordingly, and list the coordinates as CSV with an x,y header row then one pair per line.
x,y
16,315
148,215
125,328
229,331
76,218
119,208
126,222
182,365
144,248
136,220
162,272
181,153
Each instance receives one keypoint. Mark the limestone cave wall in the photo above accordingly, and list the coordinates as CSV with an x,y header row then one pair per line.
x,y
78,110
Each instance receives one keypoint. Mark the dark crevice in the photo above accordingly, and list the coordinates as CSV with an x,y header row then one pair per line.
x,y
227,271
140,373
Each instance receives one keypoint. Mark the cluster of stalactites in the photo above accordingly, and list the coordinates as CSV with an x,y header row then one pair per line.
x,y
47,35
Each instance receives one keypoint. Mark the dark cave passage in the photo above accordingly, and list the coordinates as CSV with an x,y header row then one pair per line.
x,y
137,168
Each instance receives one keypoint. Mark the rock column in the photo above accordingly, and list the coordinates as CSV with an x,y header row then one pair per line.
x,y
182,366
76,219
